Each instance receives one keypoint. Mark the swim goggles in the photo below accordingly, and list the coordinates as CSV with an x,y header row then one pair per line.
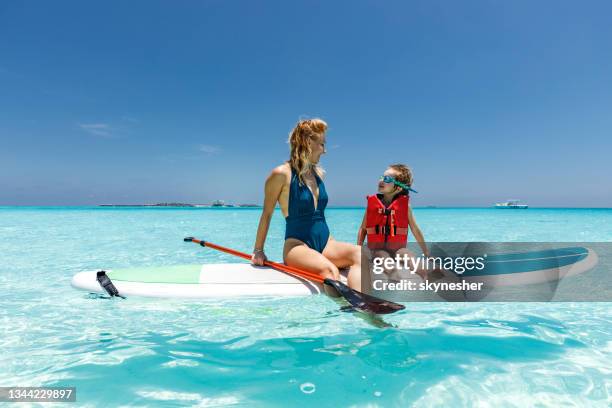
x,y
389,179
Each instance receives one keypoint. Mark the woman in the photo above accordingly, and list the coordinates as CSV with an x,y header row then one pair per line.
x,y
297,186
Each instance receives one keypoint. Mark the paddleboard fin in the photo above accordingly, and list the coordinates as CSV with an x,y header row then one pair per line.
x,y
107,284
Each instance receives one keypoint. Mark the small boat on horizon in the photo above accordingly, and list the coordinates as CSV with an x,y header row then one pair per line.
x,y
511,204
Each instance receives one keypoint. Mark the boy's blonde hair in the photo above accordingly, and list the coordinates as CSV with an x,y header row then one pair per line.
x,y
404,174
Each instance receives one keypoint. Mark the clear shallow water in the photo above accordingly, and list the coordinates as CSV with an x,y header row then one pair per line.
x,y
266,352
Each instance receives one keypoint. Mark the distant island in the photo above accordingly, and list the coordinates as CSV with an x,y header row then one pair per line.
x,y
217,203
221,203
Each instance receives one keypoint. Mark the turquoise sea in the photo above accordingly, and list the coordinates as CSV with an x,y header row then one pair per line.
x,y
288,351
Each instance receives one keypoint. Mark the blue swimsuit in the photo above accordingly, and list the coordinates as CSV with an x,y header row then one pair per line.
x,y
304,222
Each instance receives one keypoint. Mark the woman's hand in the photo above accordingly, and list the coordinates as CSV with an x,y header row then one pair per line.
x,y
258,258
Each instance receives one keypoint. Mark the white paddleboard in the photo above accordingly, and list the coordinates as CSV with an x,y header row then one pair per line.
x,y
243,279
199,281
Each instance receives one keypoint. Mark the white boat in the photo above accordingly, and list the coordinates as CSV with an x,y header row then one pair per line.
x,y
511,204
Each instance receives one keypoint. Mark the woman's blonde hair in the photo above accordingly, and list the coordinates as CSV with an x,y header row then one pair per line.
x,y
299,142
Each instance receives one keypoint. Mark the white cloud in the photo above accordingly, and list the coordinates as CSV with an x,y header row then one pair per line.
x,y
97,129
208,149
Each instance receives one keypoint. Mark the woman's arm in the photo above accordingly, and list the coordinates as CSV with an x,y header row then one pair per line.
x,y
361,234
273,188
416,231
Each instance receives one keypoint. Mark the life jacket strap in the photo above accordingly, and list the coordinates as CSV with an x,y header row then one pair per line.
x,y
384,228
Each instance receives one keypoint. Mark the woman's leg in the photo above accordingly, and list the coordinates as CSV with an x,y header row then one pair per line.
x,y
342,255
299,255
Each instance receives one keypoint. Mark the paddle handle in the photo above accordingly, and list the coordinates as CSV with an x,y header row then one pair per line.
x,y
278,266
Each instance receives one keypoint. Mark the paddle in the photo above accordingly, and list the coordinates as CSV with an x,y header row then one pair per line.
x,y
358,300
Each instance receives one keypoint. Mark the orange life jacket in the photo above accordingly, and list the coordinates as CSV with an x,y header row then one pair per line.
x,y
387,226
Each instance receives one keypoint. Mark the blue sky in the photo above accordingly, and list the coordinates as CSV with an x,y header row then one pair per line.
x,y
140,102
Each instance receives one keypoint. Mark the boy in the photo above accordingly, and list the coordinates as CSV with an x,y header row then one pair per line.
x,y
388,218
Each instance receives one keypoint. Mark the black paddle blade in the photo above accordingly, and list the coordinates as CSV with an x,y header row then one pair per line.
x,y
364,302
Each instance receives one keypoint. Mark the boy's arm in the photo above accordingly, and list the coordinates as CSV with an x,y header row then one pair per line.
x,y
361,234
416,231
